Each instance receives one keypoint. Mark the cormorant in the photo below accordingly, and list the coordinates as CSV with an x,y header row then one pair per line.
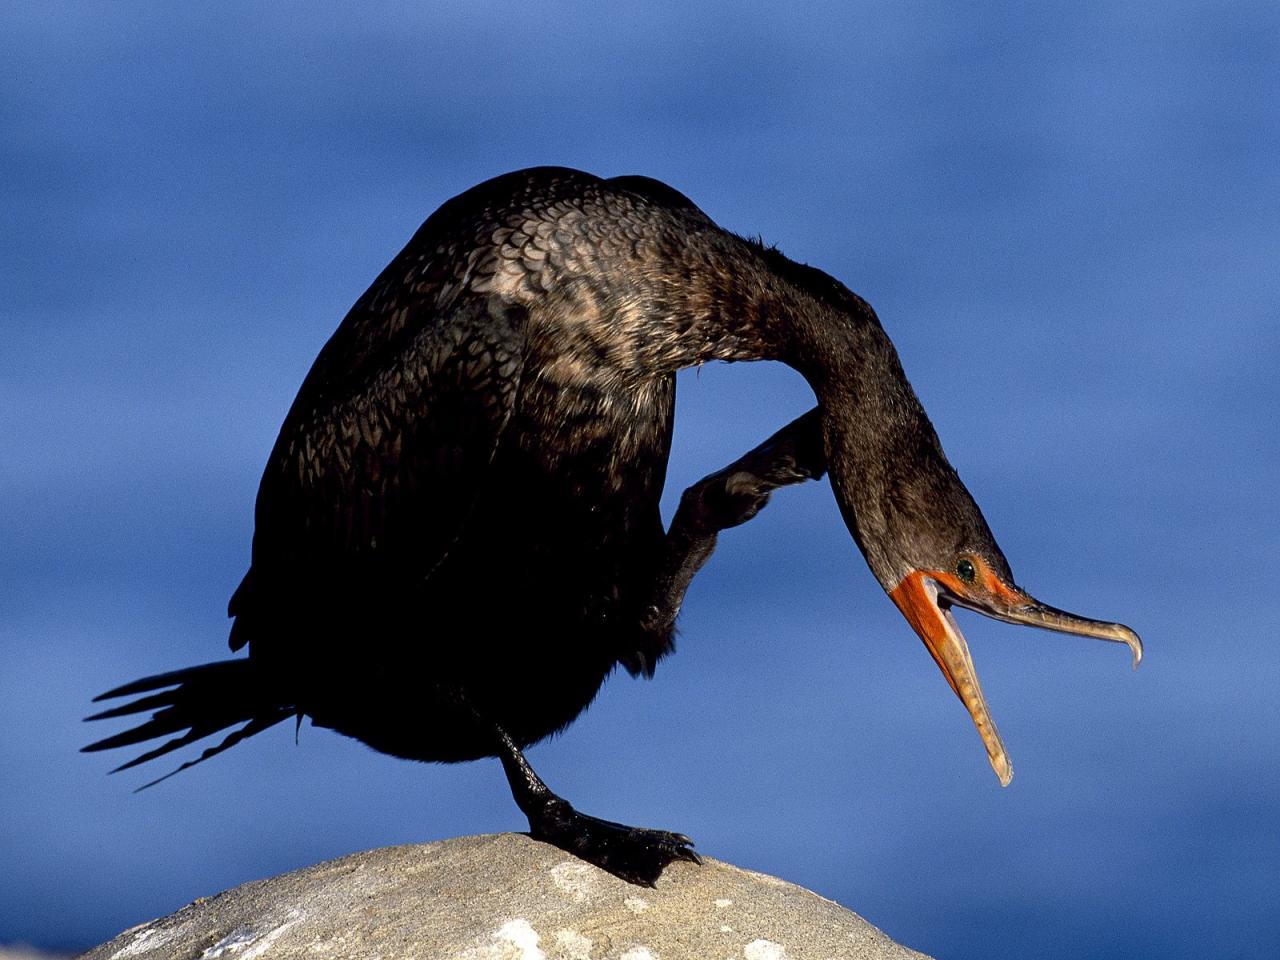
x,y
457,535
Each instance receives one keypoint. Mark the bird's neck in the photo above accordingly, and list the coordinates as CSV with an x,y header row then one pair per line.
x,y
758,305
882,452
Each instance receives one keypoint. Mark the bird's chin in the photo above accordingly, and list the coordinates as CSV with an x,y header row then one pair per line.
x,y
927,607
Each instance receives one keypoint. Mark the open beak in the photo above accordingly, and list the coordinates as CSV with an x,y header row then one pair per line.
x,y
926,598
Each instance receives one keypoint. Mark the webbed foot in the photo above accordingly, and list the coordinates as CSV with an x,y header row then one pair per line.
x,y
634,854
732,496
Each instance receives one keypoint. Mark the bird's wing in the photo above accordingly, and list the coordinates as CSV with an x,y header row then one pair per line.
x,y
380,459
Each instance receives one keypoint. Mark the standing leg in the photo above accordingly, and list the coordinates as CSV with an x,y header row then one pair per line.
x,y
635,854
724,499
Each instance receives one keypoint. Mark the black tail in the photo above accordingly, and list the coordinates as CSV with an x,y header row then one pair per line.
x,y
204,700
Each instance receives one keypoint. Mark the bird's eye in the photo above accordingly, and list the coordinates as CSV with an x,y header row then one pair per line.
x,y
965,570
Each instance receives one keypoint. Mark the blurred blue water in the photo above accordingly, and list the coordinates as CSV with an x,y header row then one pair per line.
x,y
1069,222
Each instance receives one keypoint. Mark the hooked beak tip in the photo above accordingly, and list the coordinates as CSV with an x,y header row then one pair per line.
x,y
1135,646
1003,769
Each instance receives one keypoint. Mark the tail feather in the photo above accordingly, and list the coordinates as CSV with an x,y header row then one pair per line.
x,y
194,734
161,723
203,700
204,673
137,706
231,739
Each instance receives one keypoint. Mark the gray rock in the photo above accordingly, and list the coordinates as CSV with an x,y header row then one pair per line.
x,y
505,897
20,951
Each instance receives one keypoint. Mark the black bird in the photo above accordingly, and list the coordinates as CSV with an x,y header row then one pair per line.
x,y
457,533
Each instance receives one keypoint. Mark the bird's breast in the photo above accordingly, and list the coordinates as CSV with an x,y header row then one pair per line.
x,y
596,442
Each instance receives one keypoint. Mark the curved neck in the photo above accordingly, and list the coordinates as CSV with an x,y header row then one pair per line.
x,y
881,447
883,454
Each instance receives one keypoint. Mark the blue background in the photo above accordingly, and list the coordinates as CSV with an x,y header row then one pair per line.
x,y
1068,218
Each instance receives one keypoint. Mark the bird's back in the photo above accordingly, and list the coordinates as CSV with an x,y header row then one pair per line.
x,y
466,489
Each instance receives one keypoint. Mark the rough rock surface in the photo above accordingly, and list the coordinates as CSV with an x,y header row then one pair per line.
x,y
505,897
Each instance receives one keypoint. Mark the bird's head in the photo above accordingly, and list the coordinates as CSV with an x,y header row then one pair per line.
x,y
931,549
920,530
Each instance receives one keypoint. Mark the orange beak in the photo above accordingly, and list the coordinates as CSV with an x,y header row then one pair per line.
x,y
926,598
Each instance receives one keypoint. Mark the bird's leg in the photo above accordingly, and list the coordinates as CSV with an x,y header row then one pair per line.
x,y
724,499
636,855
736,493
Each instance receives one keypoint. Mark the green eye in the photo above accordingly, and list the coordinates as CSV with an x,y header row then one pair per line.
x,y
965,570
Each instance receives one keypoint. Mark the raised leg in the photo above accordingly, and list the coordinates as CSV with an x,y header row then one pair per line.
x,y
723,499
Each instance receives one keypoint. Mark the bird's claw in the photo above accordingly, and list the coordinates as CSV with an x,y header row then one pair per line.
x,y
722,501
634,854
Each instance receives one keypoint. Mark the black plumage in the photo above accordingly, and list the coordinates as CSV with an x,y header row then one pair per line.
x,y
457,535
